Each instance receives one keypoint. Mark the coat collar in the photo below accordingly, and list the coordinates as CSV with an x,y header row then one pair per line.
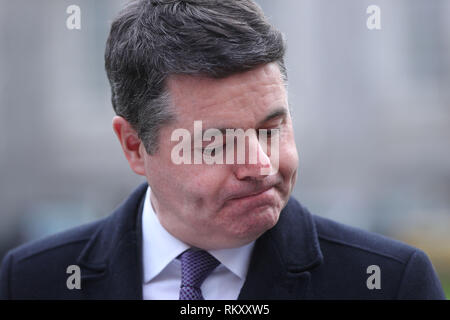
x,y
283,257
112,259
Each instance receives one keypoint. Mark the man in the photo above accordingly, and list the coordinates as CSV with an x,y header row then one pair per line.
x,y
209,229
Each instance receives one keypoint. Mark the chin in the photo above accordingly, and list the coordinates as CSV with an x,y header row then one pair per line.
x,y
254,226
242,235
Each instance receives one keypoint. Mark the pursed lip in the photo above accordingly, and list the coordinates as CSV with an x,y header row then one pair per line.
x,y
250,194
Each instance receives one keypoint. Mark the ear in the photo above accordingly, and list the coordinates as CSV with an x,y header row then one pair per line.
x,y
131,144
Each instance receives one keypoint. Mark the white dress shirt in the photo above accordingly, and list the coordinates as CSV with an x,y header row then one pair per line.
x,y
162,271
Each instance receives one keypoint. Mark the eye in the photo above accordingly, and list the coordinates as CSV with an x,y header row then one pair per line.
x,y
272,131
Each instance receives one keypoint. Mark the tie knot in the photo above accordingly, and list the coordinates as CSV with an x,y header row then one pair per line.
x,y
196,265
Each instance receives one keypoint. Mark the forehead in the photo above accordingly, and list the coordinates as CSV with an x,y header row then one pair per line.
x,y
248,95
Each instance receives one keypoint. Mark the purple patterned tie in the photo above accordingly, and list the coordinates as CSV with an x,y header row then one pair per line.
x,y
196,265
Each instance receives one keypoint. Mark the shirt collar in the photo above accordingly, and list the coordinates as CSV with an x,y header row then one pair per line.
x,y
236,260
160,247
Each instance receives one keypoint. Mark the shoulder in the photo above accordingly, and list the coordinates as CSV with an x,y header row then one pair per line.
x,y
43,262
63,242
350,255
339,236
336,236
38,269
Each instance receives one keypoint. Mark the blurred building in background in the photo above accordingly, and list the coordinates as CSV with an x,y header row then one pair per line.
x,y
371,113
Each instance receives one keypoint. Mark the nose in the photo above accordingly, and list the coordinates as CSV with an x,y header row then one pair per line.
x,y
256,165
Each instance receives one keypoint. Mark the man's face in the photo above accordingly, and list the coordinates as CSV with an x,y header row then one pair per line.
x,y
203,204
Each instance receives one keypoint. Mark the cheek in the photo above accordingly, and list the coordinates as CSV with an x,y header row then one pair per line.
x,y
205,183
198,186
288,167
288,158
193,186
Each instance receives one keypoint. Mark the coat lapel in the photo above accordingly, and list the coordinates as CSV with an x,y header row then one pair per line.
x,y
111,262
283,256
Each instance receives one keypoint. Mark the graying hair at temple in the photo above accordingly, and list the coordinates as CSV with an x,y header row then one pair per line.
x,y
151,40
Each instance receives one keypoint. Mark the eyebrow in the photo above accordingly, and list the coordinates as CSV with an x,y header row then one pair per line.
x,y
278,113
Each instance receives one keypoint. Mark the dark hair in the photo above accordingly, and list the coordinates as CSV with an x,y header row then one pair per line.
x,y
152,39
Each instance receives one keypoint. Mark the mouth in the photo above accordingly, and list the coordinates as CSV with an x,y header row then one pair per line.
x,y
263,198
253,195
